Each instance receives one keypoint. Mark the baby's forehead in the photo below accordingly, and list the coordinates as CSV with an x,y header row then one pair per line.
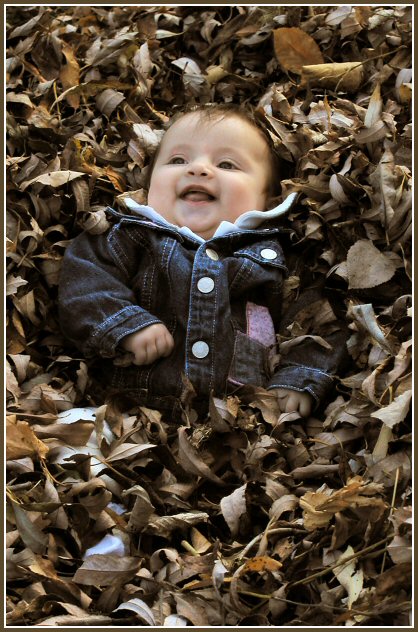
x,y
189,123
214,119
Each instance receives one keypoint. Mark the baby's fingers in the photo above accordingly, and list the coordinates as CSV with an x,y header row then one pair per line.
x,y
141,356
305,405
165,344
292,402
299,402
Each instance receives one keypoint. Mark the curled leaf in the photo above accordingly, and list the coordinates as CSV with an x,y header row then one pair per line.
x,y
21,440
396,411
233,507
343,77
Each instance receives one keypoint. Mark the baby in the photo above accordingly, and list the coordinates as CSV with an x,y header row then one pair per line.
x,y
191,284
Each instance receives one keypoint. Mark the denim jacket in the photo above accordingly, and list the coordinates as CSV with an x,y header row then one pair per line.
x,y
220,299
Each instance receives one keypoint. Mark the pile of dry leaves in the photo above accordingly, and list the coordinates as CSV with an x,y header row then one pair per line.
x,y
124,519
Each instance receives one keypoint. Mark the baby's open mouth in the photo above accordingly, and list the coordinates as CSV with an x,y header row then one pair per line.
x,y
196,195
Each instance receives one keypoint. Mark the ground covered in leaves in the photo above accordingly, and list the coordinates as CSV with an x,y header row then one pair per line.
x,y
243,518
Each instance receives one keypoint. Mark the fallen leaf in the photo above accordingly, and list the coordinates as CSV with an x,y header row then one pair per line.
x,y
105,570
21,441
233,507
367,266
140,608
396,411
350,578
191,460
294,49
259,565
53,179
33,537
343,77
70,74
165,525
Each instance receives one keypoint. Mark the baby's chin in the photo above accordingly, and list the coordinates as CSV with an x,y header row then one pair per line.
x,y
201,226
205,234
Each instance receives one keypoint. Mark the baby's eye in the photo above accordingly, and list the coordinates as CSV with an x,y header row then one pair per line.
x,y
176,160
226,164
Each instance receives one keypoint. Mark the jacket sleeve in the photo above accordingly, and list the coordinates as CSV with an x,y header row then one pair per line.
x,y
312,347
97,308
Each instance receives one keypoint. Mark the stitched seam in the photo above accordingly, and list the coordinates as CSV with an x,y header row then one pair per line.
x,y
308,368
112,236
212,372
168,275
294,388
244,271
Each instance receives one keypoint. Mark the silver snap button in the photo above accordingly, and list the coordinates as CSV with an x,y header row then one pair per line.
x,y
200,349
205,285
212,254
268,253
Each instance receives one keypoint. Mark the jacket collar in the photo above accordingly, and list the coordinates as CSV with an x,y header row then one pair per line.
x,y
249,220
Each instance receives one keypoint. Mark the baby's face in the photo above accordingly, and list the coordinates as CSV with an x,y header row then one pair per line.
x,y
208,171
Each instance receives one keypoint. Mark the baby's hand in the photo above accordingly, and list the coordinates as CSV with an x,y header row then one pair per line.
x,y
149,344
294,401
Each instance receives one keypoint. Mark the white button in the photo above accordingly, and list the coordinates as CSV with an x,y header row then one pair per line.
x,y
212,254
268,253
200,349
205,285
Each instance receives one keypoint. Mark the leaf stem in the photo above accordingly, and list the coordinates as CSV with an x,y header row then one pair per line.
x,y
372,547
392,507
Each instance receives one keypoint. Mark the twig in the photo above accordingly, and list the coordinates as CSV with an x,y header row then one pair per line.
x,y
365,61
186,545
392,507
268,531
324,606
56,100
308,579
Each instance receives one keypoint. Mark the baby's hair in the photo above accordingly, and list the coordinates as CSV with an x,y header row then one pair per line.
x,y
218,111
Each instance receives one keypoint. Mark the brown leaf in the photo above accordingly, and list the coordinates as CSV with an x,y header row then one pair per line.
x,y
108,100
70,74
294,49
165,525
343,77
396,411
191,461
288,502
32,535
53,179
13,283
140,608
76,434
348,576
142,510
128,450
260,564
21,441
233,507
367,266
105,570
12,385
319,507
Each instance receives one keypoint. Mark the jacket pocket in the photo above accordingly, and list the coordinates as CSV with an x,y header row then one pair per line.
x,y
263,266
250,362
267,253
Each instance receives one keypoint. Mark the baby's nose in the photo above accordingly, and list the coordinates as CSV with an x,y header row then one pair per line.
x,y
199,167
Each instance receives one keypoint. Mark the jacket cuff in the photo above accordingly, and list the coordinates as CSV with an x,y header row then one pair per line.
x,y
107,335
302,378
